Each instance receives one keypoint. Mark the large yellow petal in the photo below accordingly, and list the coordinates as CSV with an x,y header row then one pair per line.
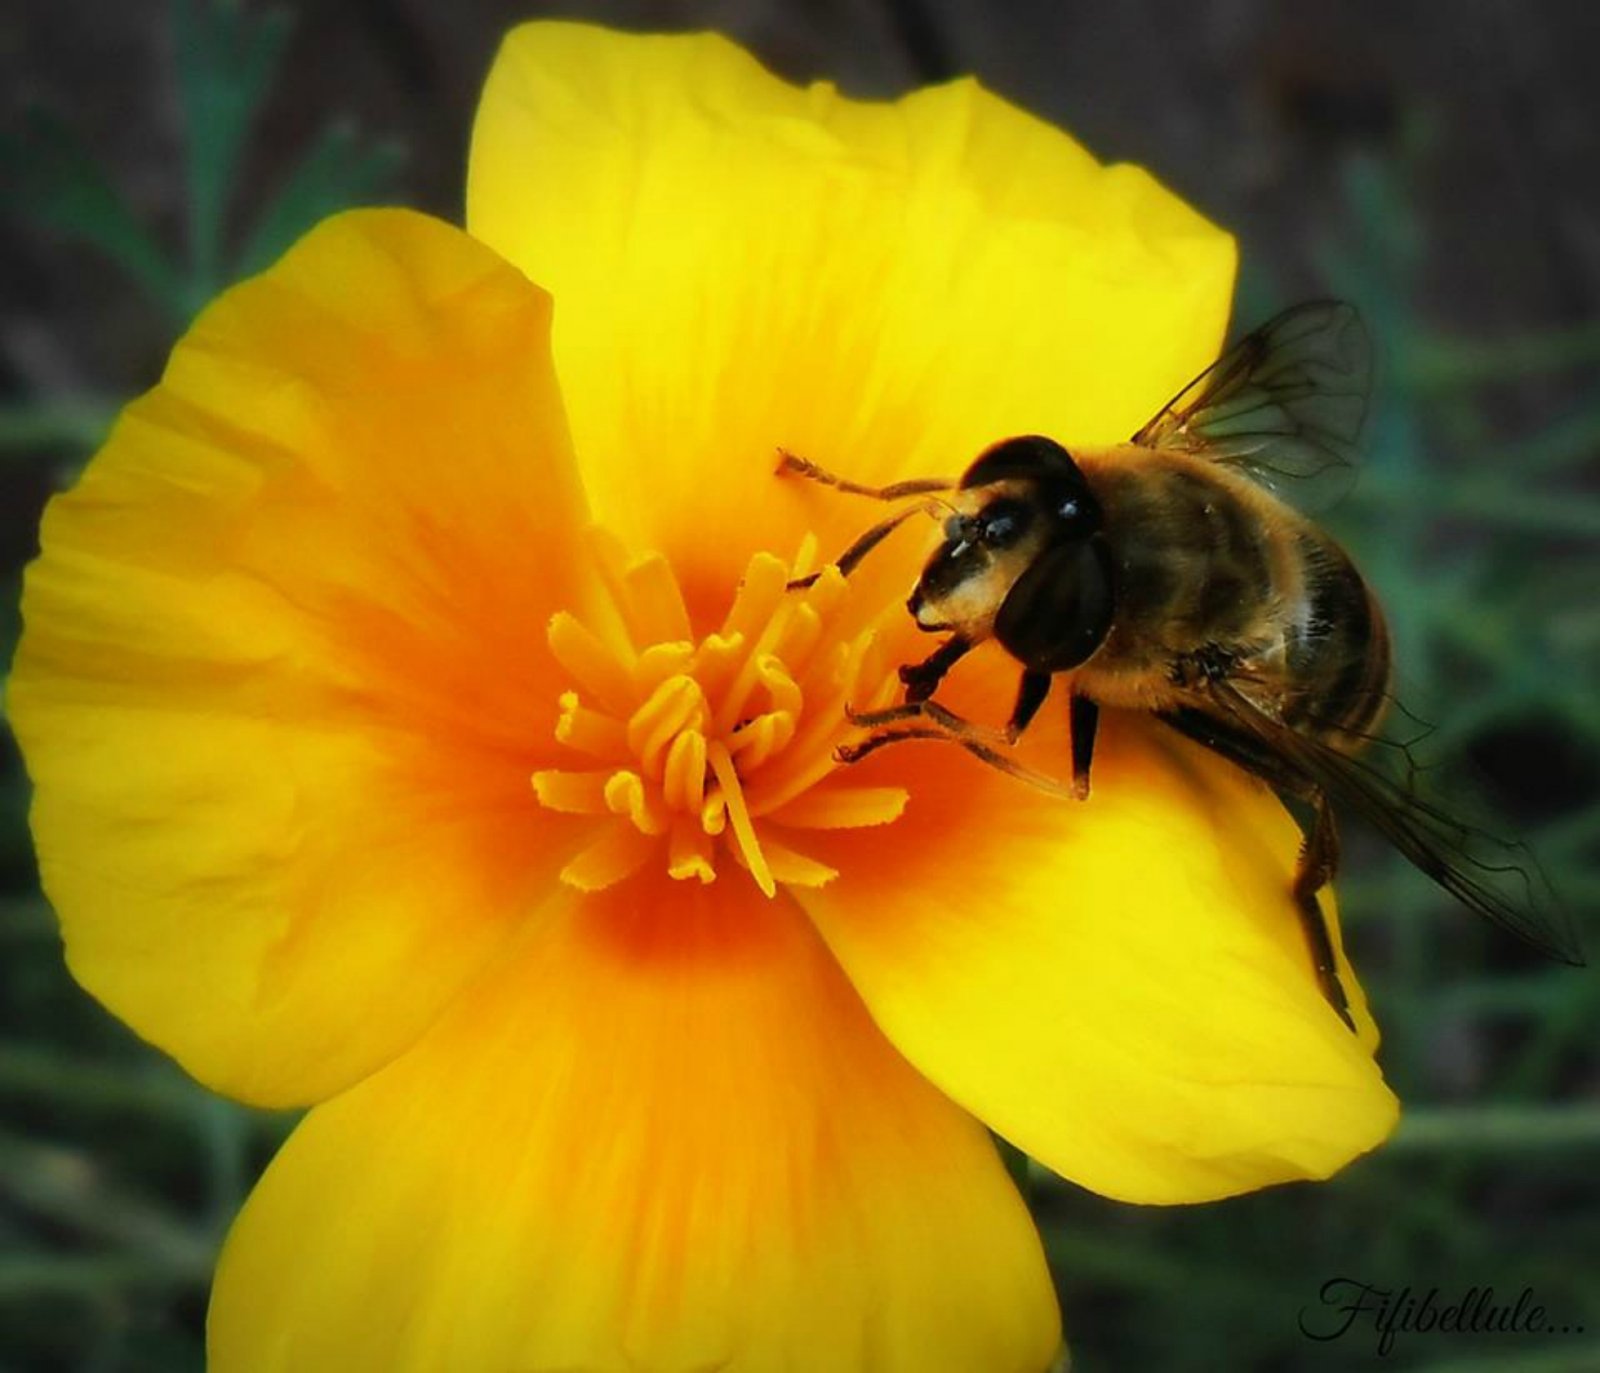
x,y
1119,986
884,288
662,1135
284,674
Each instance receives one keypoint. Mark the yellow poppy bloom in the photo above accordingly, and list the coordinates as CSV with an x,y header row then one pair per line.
x,y
422,731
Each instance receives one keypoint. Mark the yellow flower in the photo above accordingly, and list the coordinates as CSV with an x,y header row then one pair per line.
x,y
397,752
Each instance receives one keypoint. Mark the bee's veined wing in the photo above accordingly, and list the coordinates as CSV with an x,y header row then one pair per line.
x,y
1498,878
1283,405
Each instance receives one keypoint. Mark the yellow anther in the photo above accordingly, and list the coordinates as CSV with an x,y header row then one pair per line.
x,y
572,793
683,780
677,704
761,594
757,741
689,852
799,636
590,731
782,690
594,664
716,660
657,599
713,811
660,661
626,794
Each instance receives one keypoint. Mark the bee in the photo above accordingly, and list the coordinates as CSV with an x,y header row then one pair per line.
x,y
1166,575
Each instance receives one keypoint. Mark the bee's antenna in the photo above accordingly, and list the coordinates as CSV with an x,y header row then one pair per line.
x,y
803,467
850,559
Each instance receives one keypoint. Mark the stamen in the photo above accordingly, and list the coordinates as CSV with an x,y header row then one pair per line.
x,y
626,794
683,780
761,738
714,811
572,793
781,687
689,852
795,869
611,557
660,661
711,744
588,731
805,558
733,798
658,599
676,705
596,667
760,594
716,660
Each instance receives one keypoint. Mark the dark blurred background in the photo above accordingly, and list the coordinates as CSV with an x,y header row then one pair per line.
x,y
1438,163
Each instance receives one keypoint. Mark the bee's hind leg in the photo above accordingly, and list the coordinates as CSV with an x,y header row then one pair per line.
x,y
1319,851
1319,858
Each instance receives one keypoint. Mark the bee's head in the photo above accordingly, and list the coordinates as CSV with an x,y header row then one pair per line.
x,y
1021,559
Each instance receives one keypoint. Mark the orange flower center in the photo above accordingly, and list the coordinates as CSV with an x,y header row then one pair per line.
x,y
719,744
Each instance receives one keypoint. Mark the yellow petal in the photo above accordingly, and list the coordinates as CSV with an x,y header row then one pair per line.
x,y
662,1134
1119,986
284,675
882,288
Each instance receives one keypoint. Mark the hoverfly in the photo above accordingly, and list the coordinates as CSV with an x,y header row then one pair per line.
x,y
1166,575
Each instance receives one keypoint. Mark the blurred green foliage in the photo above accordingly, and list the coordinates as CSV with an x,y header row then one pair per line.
x,y
227,61
119,1177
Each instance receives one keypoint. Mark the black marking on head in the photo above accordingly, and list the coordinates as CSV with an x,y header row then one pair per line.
x,y
1029,458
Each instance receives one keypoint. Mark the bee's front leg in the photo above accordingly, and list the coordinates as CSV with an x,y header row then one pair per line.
x,y
933,721
922,679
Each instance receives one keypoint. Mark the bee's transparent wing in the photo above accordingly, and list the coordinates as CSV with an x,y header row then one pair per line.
x,y
1283,405
1498,878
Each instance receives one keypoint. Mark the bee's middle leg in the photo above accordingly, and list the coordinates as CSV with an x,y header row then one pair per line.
x,y
1085,721
1031,693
